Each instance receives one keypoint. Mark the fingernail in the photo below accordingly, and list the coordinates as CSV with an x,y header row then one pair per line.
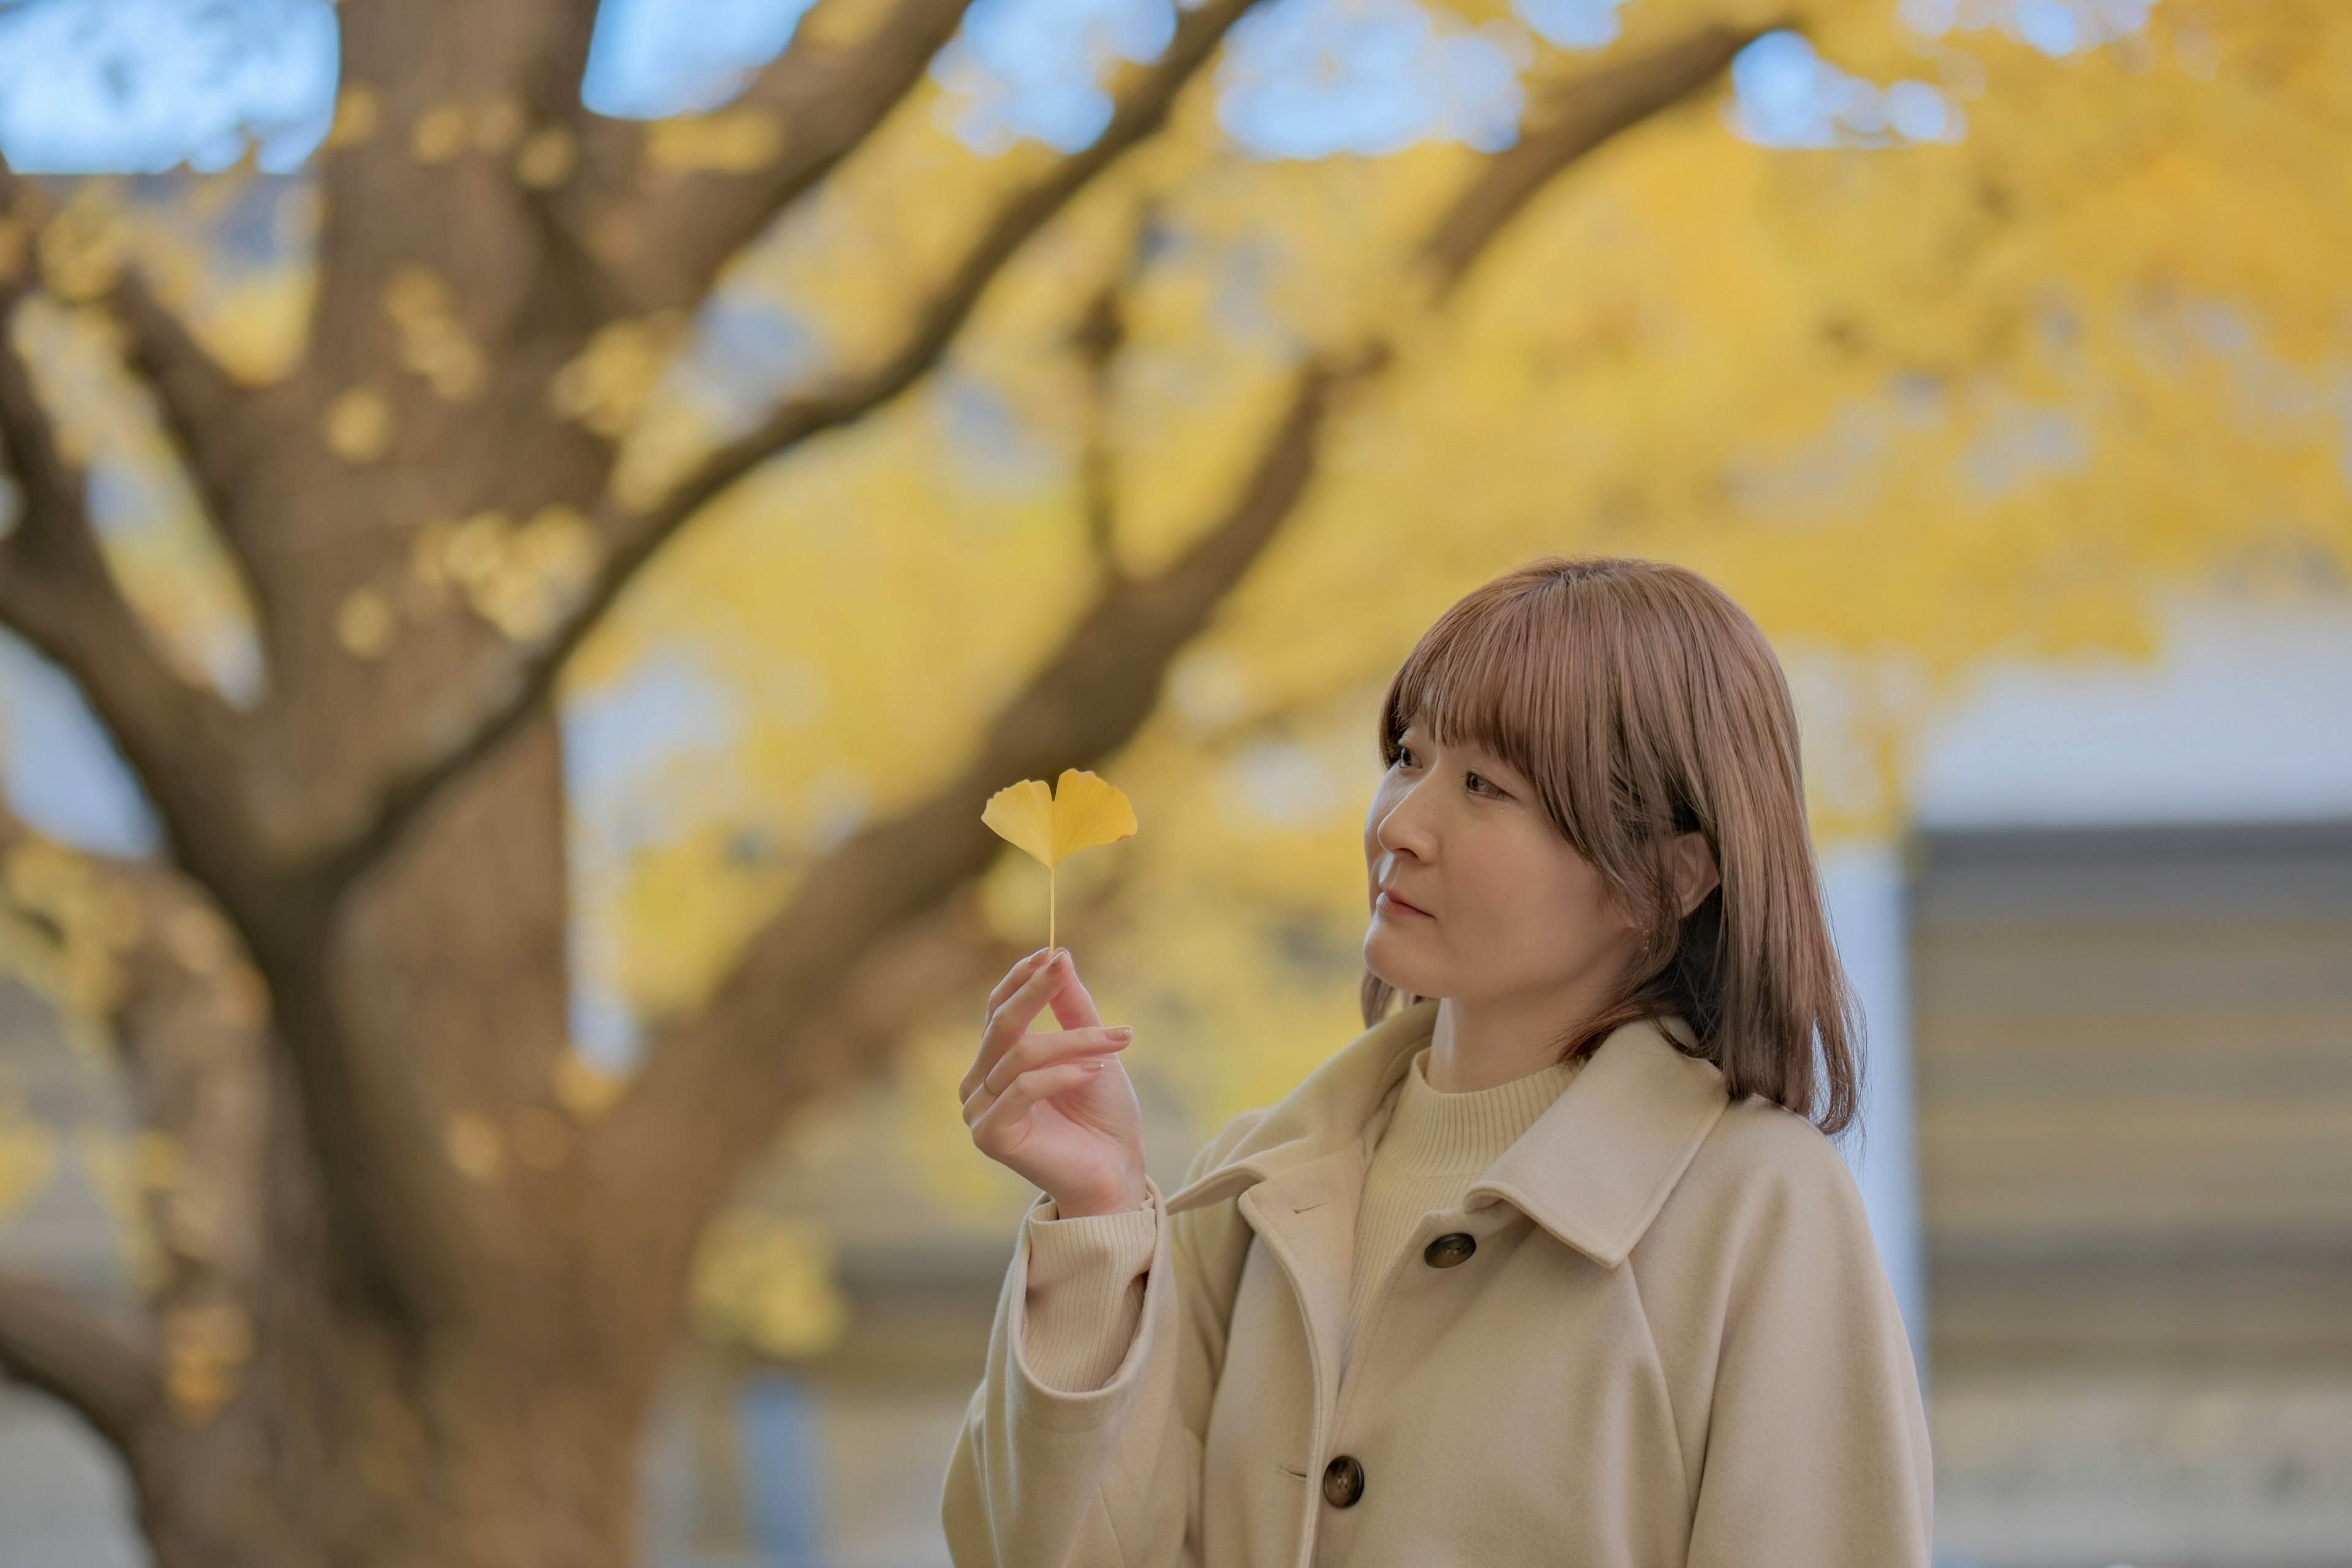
x,y
1123,1032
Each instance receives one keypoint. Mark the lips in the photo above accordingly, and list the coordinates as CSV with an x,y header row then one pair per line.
x,y
1389,896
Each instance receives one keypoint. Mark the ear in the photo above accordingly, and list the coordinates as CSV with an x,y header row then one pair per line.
x,y
1691,864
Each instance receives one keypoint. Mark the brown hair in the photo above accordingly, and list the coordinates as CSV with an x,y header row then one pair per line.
x,y
1642,703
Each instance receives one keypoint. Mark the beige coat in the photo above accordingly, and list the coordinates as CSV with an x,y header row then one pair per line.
x,y
1673,1344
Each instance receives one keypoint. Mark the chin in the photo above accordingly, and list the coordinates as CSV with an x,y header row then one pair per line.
x,y
1400,970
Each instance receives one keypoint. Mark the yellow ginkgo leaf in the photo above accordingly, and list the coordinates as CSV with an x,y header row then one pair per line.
x,y
1081,811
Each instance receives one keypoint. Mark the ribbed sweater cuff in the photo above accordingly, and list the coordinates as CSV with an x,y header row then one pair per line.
x,y
1085,1293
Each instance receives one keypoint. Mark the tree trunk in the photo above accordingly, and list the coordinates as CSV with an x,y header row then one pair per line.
x,y
501,1426
351,1444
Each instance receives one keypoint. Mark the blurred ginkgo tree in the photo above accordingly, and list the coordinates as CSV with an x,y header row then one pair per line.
x,y
566,566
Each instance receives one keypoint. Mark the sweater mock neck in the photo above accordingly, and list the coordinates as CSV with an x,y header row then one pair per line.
x,y
1433,1133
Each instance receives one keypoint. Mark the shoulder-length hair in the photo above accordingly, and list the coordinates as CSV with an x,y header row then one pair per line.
x,y
1642,703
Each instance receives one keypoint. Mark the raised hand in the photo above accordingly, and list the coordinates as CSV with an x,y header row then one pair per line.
x,y
1055,1105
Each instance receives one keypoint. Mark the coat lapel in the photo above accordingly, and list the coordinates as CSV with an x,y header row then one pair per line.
x,y
1298,1178
1306,1214
1593,1171
1598,1164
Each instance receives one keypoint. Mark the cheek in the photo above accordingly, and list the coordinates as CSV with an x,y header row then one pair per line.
x,y
1552,895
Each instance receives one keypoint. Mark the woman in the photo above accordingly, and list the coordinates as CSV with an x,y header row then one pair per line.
x,y
1555,1264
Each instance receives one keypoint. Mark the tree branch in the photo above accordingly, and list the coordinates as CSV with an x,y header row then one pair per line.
x,y
186,1015
57,592
819,101
1100,334
632,538
74,1352
1577,117
731,1071
203,406
204,409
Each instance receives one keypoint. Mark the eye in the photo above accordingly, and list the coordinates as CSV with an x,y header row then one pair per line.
x,y
1480,778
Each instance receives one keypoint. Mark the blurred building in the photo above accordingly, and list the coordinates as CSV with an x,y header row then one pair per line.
x,y
2134,1088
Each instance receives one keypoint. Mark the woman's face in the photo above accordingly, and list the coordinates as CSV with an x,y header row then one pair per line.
x,y
1486,902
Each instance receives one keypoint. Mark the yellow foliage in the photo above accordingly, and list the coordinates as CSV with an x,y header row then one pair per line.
x,y
1916,409
358,424
86,923
547,157
605,385
550,563
364,625
583,1088
358,112
118,1169
766,1282
83,248
28,1157
841,24
472,1142
520,580
433,342
729,142
167,564
439,133
205,1346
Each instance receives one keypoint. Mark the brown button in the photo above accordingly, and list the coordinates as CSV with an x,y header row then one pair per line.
x,y
1343,1482
1448,1251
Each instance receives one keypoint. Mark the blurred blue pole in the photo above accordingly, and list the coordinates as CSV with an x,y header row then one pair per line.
x,y
1865,886
781,1466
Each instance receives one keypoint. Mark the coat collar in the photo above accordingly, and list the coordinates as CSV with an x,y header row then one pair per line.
x,y
1593,1170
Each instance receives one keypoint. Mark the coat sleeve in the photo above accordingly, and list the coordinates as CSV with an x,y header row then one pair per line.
x,y
1109,1476
1816,1451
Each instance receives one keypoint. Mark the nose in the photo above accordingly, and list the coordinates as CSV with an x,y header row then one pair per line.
x,y
1397,826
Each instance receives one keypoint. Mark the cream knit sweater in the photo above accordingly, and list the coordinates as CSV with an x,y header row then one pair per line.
x,y
1085,1275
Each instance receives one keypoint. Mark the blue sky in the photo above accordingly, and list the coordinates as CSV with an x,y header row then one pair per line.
x,y
91,84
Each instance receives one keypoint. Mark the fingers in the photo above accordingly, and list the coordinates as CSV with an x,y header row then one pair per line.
x,y
1009,1014
1007,1017
1034,1053
1005,1112
1014,976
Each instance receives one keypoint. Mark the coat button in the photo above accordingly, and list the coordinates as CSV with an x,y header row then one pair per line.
x,y
1343,1481
1448,1251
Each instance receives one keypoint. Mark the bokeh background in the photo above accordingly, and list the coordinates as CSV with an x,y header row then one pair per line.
x,y
533,526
